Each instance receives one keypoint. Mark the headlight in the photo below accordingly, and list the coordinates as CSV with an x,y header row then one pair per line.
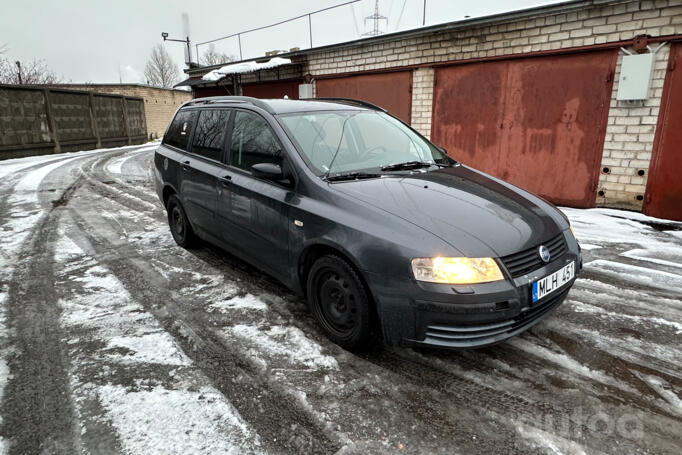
x,y
456,270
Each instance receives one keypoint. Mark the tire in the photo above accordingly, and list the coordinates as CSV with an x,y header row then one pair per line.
x,y
179,223
339,302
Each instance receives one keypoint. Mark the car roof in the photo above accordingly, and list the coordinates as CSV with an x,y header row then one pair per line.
x,y
286,106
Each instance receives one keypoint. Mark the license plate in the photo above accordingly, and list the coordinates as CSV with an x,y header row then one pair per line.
x,y
550,283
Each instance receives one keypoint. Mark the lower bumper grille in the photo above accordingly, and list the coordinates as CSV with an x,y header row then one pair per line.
x,y
481,335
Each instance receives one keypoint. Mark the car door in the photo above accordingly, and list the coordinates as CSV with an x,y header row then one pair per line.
x,y
258,209
202,169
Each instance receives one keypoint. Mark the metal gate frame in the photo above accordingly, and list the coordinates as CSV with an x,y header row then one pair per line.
x,y
662,126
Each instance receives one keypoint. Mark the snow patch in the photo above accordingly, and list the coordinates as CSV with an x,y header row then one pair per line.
x,y
567,362
639,275
289,343
669,255
160,420
116,165
555,444
664,389
244,67
581,307
247,302
157,347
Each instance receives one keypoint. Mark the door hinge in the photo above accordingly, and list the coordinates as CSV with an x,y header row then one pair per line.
x,y
609,76
647,198
672,64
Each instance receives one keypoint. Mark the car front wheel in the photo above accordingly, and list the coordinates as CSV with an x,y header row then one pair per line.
x,y
179,224
339,302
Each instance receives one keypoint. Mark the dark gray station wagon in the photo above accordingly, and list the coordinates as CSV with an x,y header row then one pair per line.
x,y
378,228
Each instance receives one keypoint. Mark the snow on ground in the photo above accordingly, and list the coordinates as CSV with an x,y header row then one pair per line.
x,y
172,417
247,302
612,345
637,274
161,421
115,166
288,343
8,167
550,442
596,227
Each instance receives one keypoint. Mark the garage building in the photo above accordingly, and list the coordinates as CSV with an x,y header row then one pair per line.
x,y
530,96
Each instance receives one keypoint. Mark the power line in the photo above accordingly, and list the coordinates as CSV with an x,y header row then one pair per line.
x,y
402,10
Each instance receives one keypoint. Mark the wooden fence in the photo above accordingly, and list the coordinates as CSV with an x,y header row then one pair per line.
x,y
41,121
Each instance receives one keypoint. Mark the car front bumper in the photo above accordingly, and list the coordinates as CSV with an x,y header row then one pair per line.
x,y
439,315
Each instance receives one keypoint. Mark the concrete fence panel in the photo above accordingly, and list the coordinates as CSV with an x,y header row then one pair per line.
x,y
41,121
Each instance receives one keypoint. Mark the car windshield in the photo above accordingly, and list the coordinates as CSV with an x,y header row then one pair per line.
x,y
349,141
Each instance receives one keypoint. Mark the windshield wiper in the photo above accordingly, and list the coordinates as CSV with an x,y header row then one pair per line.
x,y
410,165
351,176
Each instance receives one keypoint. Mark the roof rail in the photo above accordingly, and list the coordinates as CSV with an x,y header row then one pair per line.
x,y
351,101
230,99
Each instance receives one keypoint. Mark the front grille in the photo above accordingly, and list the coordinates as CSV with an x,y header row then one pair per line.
x,y
472,335
528,260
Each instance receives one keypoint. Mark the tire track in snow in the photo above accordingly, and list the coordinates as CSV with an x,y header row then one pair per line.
x,y
130,378
278,419
37,407
37,414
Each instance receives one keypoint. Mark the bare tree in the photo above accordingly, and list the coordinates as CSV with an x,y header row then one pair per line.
x,y
212,57
161,70
35,72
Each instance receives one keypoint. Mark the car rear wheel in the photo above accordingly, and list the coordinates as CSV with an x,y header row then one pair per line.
x,y
179,224
339,302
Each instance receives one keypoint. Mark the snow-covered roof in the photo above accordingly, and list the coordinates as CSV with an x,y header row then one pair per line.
x,y
244,67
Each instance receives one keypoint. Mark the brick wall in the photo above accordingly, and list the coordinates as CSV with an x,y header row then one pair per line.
x,y
629,141
160,104
422,100
631,125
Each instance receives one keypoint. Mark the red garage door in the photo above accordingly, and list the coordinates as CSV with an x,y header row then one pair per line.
x,y
392,91
275,89
664,185
538,123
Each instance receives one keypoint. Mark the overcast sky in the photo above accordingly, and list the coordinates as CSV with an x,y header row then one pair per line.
x,y
102,41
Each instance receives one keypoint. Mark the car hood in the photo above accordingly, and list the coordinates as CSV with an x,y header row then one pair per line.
x,y
477,214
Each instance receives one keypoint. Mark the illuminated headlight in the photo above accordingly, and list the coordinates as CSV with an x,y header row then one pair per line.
x,y
456,270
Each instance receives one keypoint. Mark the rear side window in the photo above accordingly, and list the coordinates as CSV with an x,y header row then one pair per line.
x,y
253,142
180,129
210,134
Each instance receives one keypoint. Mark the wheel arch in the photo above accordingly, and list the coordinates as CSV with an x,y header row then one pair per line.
x,y
315,250
167,192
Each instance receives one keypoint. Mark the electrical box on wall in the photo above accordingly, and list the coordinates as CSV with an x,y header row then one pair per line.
x,y
635,77
305,91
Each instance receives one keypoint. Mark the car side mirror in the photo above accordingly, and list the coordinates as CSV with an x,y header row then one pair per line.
x,y
267,171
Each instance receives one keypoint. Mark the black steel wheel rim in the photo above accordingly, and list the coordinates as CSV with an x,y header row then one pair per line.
x,y
177,221
337,302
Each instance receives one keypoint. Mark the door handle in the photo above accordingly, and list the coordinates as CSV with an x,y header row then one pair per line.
x,y
185,166
225,179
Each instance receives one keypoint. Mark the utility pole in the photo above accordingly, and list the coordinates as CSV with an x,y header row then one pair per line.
x,y
188,49
376,18
19,67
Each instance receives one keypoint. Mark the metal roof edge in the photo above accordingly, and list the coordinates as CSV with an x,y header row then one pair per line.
x,y
107,84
